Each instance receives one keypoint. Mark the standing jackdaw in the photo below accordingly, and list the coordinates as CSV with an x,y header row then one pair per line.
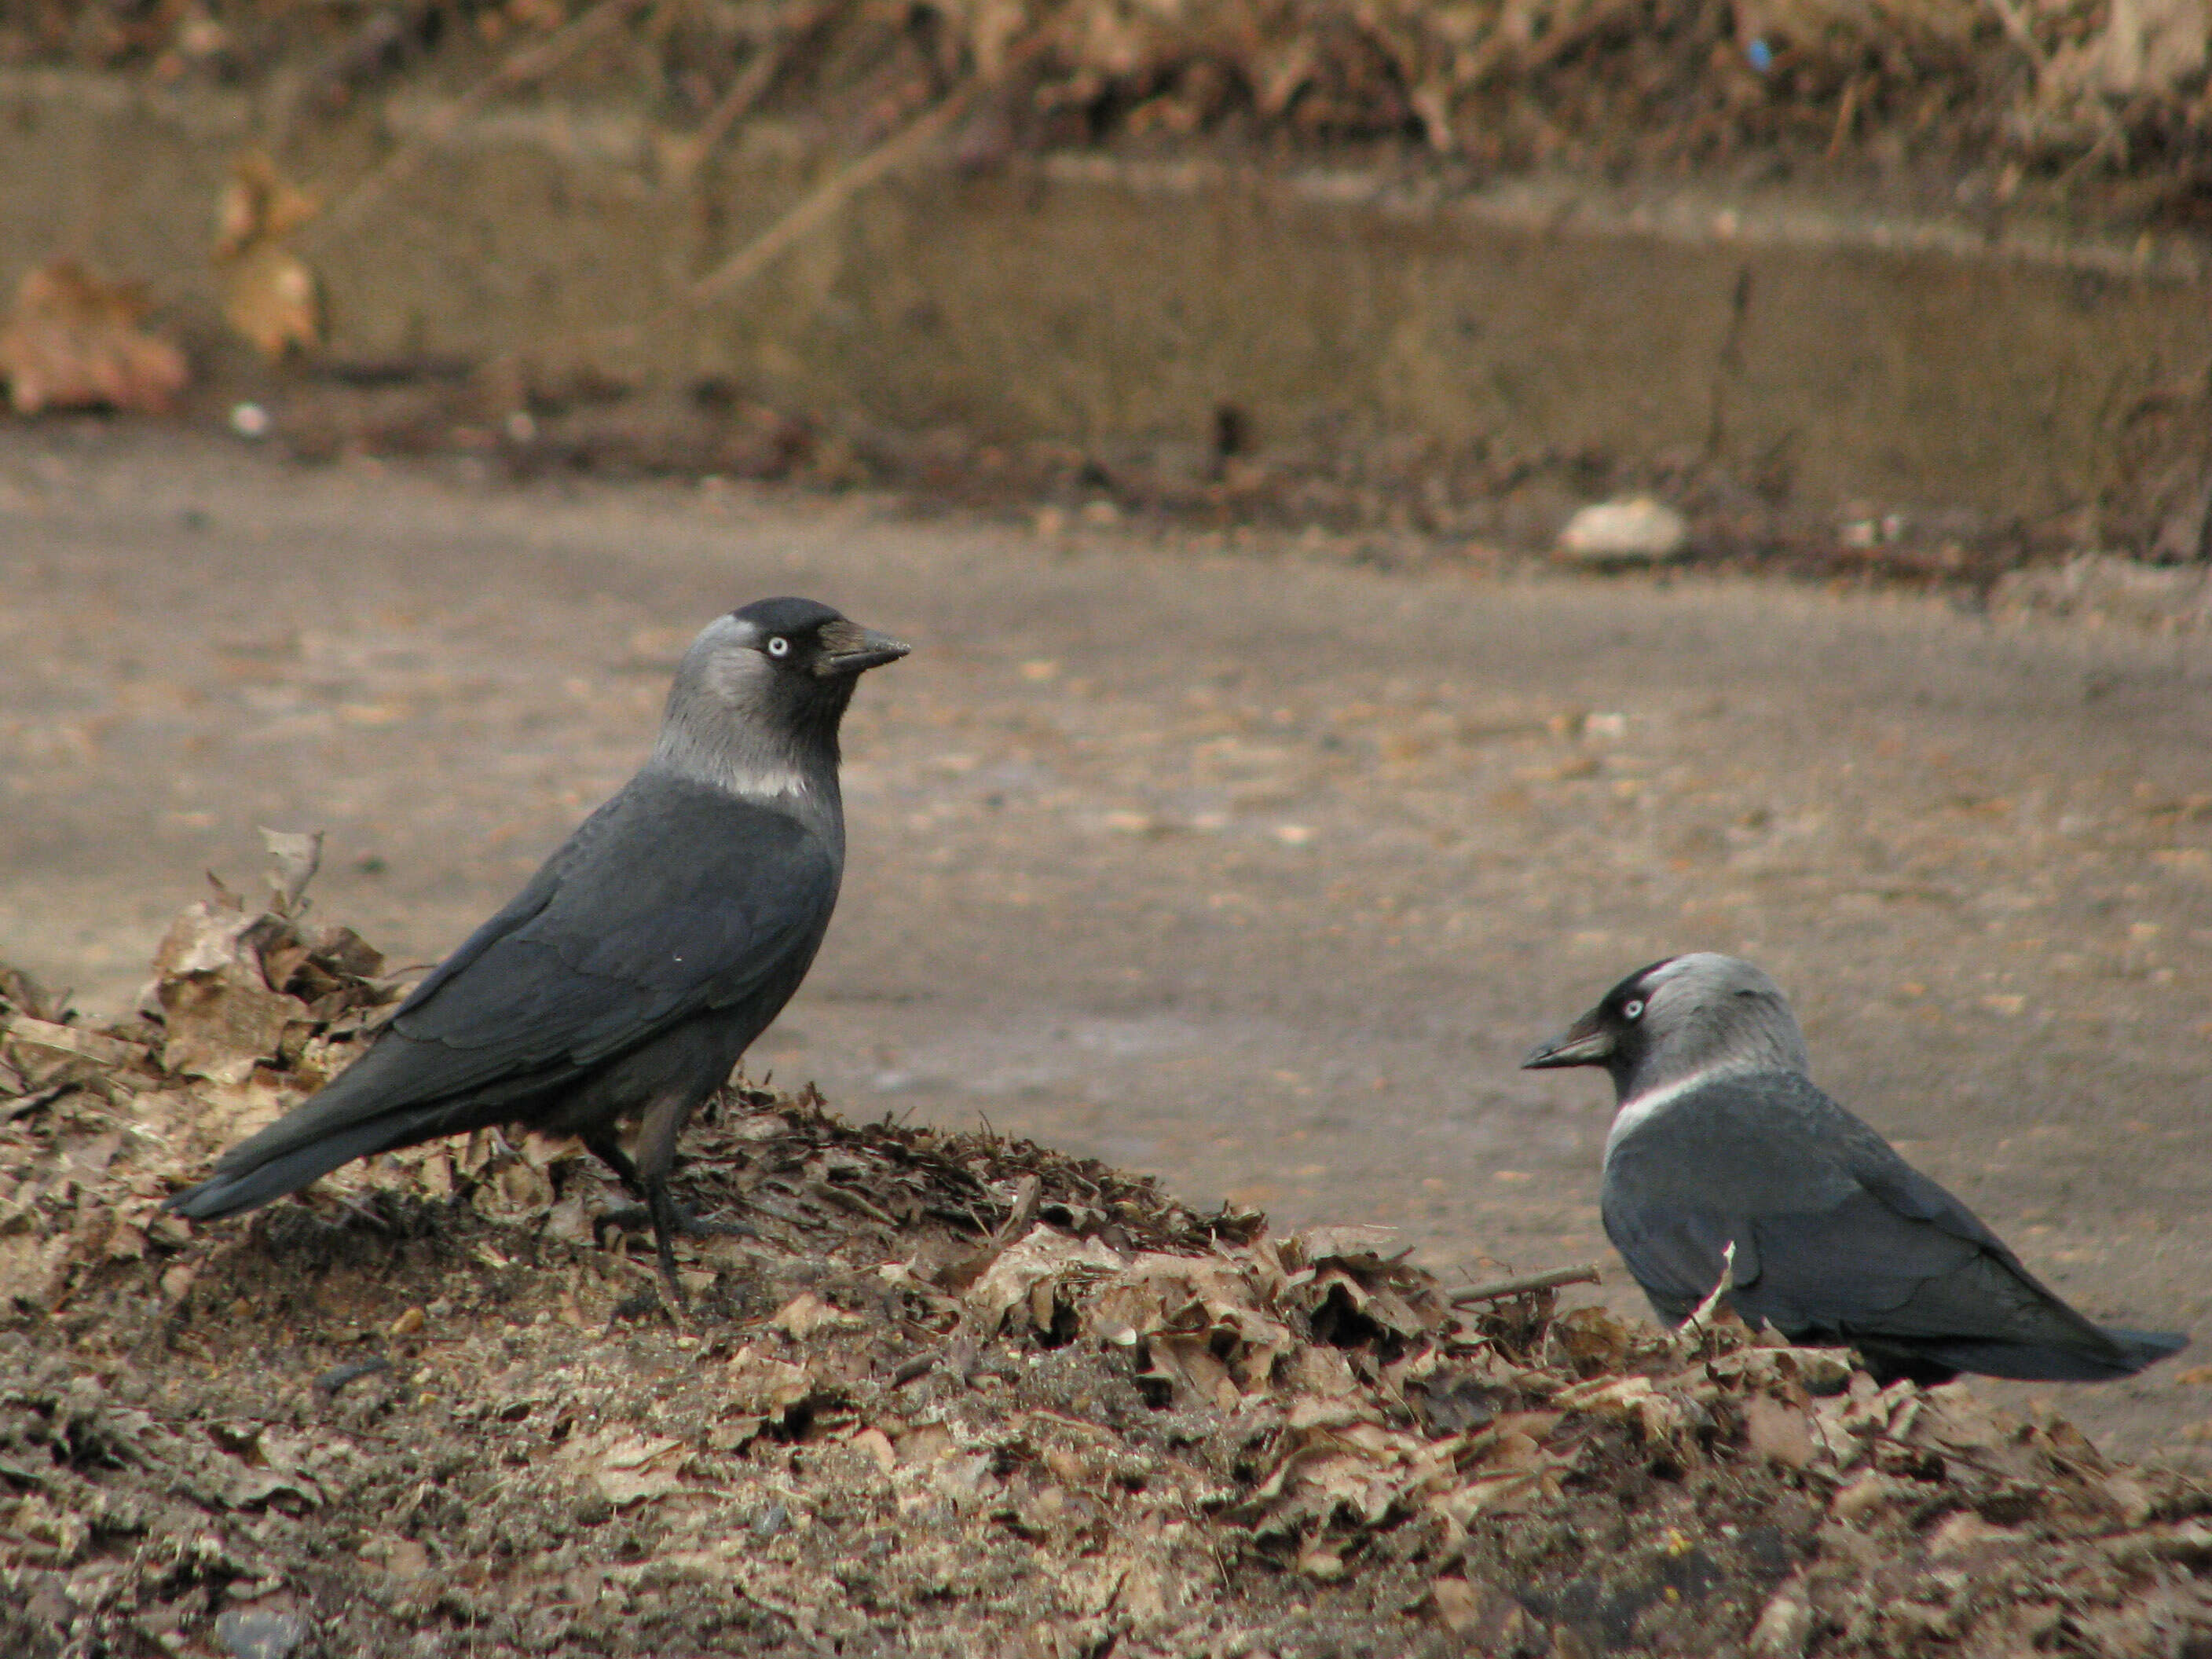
x,y
660,938
1721,1137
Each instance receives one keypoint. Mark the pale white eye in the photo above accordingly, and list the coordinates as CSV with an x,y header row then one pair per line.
x,y
778,646
1633,1010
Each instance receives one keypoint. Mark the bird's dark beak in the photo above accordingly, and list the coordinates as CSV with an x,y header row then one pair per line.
x,y
1585,1042
848,648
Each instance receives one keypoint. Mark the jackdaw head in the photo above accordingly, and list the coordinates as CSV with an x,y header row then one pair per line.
x,y
1679,1018
758,697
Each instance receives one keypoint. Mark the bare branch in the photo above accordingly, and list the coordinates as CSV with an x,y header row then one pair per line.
x,y
792,31
1586,1274
827,200
533,62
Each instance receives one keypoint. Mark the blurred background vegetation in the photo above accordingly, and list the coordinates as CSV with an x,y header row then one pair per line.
x,y
1967,100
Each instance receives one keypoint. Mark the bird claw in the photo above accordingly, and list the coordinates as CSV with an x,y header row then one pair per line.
x,y
666,1218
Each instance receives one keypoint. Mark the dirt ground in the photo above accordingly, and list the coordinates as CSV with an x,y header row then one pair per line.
x,y
1258,870
948,1393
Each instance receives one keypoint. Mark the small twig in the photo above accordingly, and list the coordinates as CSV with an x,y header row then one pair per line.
x,y
792,31
828,198
1704,1311
851,1200
914,1366
1847,114
331,1381
1586,1274
531,62
2016,26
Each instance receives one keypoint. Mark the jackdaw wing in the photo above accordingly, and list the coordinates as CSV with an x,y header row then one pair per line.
x,y
674,898
1832,1228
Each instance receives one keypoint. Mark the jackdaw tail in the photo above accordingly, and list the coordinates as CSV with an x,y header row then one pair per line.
x,y
1721,1137
637,965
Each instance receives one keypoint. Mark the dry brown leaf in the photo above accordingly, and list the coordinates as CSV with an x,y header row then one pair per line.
x,y
1633,1399
257,204
1361,1242
1458,1603
807,1313
222,1025
1592,1338
72,1040
34,1271
1779,1432
1863,1499
1193,1374
1966,1533
764,1386
1492,1620
926,1444
1043,1256
269,295
628,1468
273,300
75,342
296,857
877,1445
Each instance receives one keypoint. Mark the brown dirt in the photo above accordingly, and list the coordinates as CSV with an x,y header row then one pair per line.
x,y
959,1394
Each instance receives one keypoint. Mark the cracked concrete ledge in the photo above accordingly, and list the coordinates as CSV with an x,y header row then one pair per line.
x,y
1866,361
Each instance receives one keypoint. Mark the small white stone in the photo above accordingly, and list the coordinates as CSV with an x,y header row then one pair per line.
x,y
1638,531
249,421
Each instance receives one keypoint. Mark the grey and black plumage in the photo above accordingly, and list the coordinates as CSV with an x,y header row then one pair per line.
x,y
626,979
1721,1137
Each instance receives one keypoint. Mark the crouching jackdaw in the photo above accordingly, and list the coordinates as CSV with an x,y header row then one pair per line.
x,y
1721,1139
660,938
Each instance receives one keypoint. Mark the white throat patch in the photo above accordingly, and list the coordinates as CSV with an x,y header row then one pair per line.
x,y
1640,1109
765,783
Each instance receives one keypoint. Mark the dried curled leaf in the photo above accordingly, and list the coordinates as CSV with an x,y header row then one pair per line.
x,y
270,294
75,342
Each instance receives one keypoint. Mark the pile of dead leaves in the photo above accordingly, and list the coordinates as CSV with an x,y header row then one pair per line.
x,y
956,1394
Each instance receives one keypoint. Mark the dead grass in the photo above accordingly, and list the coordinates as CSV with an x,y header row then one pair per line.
x,y
2012,93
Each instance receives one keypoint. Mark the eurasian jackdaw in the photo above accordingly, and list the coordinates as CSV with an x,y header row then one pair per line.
x,y
660,938
1721,1139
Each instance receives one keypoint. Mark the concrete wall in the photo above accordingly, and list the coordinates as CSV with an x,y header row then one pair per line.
x,y
1102,302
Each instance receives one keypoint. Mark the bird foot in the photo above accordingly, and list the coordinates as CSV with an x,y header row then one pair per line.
x,y
667,1218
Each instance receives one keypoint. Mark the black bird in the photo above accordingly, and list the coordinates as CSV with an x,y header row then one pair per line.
x,y
627,978
1721,1137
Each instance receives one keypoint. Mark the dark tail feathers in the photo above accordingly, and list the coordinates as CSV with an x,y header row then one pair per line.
x,y
249,1186
2122,1354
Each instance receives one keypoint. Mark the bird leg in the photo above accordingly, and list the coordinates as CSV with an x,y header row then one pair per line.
x,y
602,1144
648,1177
689,1223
